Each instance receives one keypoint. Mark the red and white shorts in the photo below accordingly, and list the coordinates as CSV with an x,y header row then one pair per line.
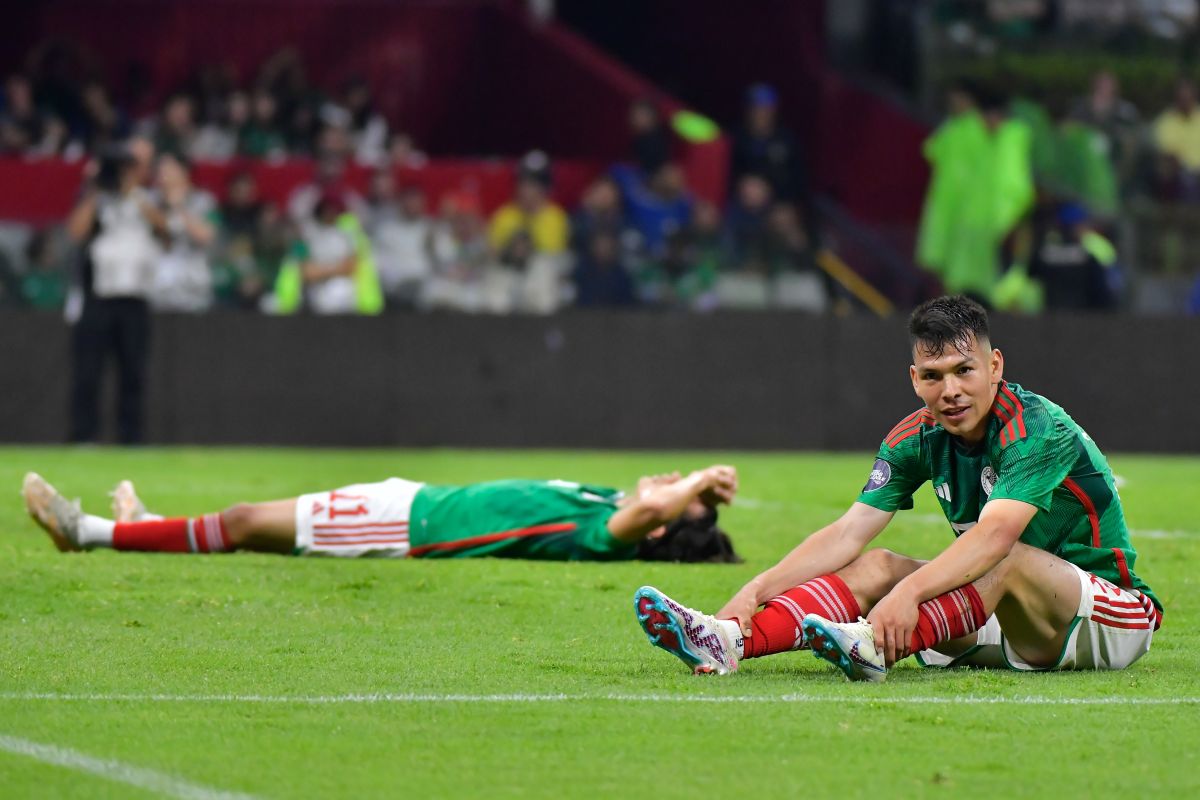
x,y
366,519
1112,629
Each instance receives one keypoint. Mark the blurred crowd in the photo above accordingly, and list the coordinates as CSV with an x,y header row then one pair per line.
x,y
638,237
1024,206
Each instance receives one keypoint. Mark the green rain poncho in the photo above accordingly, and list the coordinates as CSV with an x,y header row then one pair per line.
x,y
981,186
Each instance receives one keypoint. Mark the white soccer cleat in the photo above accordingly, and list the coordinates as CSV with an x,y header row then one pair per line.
x,y
56,515
126,505
849,646
706,644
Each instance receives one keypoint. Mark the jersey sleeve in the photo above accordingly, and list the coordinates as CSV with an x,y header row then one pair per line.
x,y
594,542
896,474
1033,466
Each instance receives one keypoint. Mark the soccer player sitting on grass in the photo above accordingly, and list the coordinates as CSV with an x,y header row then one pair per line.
x,y
1039,577
669,518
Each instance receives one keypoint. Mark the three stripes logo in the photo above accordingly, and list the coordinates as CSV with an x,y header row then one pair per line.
x,y
942,490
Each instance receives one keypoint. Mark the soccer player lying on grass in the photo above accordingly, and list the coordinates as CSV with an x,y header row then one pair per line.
x,y
669,518
1039,577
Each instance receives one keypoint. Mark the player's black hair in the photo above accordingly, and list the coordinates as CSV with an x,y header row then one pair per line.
x,y
691,540
947,320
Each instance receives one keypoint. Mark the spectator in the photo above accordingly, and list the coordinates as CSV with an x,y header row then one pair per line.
x,y
1118,119
980,188
599,212
368,128
176,132
531,210
261,137
651,143
399,230
1076,265
656,209
218,138
601,278
403,152
675,278
1177,137
183,280
23,128
103,124
763,147
329,180
305,125
536,280
44,285
115,224
787,248
458,252
331,269
748,233
252,245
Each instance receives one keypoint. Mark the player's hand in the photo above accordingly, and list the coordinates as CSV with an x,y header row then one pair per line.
x,y
720,485
649,483
741,607
894,619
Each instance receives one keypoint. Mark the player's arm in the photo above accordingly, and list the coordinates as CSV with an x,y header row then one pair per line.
x,y
660,501
970,557
827,550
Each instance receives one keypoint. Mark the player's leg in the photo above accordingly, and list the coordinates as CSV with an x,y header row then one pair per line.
x,y
843,597
707,644
1035,595
266,527
1031,591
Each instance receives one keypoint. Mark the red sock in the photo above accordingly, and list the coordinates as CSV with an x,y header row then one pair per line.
x,y
205,534
776,629
947,617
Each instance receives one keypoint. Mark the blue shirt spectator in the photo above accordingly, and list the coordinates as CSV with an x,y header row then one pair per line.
x,y
657,208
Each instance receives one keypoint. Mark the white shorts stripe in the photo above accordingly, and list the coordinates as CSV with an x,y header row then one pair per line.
x,y
366,519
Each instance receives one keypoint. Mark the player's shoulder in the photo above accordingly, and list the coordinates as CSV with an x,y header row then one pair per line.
x,y
906,433
1021,415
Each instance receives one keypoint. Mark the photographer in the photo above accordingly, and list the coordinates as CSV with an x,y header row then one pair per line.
x,y
183,281
115,224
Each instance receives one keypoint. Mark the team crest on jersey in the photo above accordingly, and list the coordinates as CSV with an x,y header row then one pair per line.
x,y
988,479
881,473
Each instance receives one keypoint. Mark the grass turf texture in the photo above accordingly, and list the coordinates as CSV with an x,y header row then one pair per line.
x,y
108,623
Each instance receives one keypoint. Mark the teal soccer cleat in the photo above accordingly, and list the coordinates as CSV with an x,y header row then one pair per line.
x,y
706,644
849,646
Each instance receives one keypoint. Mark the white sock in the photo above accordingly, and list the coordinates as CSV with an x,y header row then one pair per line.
x,y
733,632
95,531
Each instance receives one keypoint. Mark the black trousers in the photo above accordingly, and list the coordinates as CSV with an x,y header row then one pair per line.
x,y
120,327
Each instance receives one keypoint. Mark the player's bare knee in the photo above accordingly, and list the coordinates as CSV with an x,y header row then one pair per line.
x,y
873,574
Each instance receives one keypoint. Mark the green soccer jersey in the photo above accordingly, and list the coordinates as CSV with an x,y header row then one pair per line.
x,y
1033,452
550,520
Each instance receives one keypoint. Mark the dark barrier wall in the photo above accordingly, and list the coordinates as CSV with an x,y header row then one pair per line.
x,y
634,380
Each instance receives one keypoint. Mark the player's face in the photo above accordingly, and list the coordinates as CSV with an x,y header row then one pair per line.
x,y
959,387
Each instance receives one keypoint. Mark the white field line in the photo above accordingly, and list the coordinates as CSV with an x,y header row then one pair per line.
x,y
617,697
117,771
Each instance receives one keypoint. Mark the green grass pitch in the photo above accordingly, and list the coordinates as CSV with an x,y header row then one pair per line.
x,y
489,678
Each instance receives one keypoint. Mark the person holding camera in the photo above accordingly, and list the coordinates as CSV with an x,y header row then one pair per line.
x,y
117,228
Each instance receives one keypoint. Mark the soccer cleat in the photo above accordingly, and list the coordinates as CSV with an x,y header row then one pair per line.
x,y
56,515
849,646
704,643
126,505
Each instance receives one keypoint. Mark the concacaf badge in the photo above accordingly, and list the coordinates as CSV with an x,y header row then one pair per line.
x,y
881,473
